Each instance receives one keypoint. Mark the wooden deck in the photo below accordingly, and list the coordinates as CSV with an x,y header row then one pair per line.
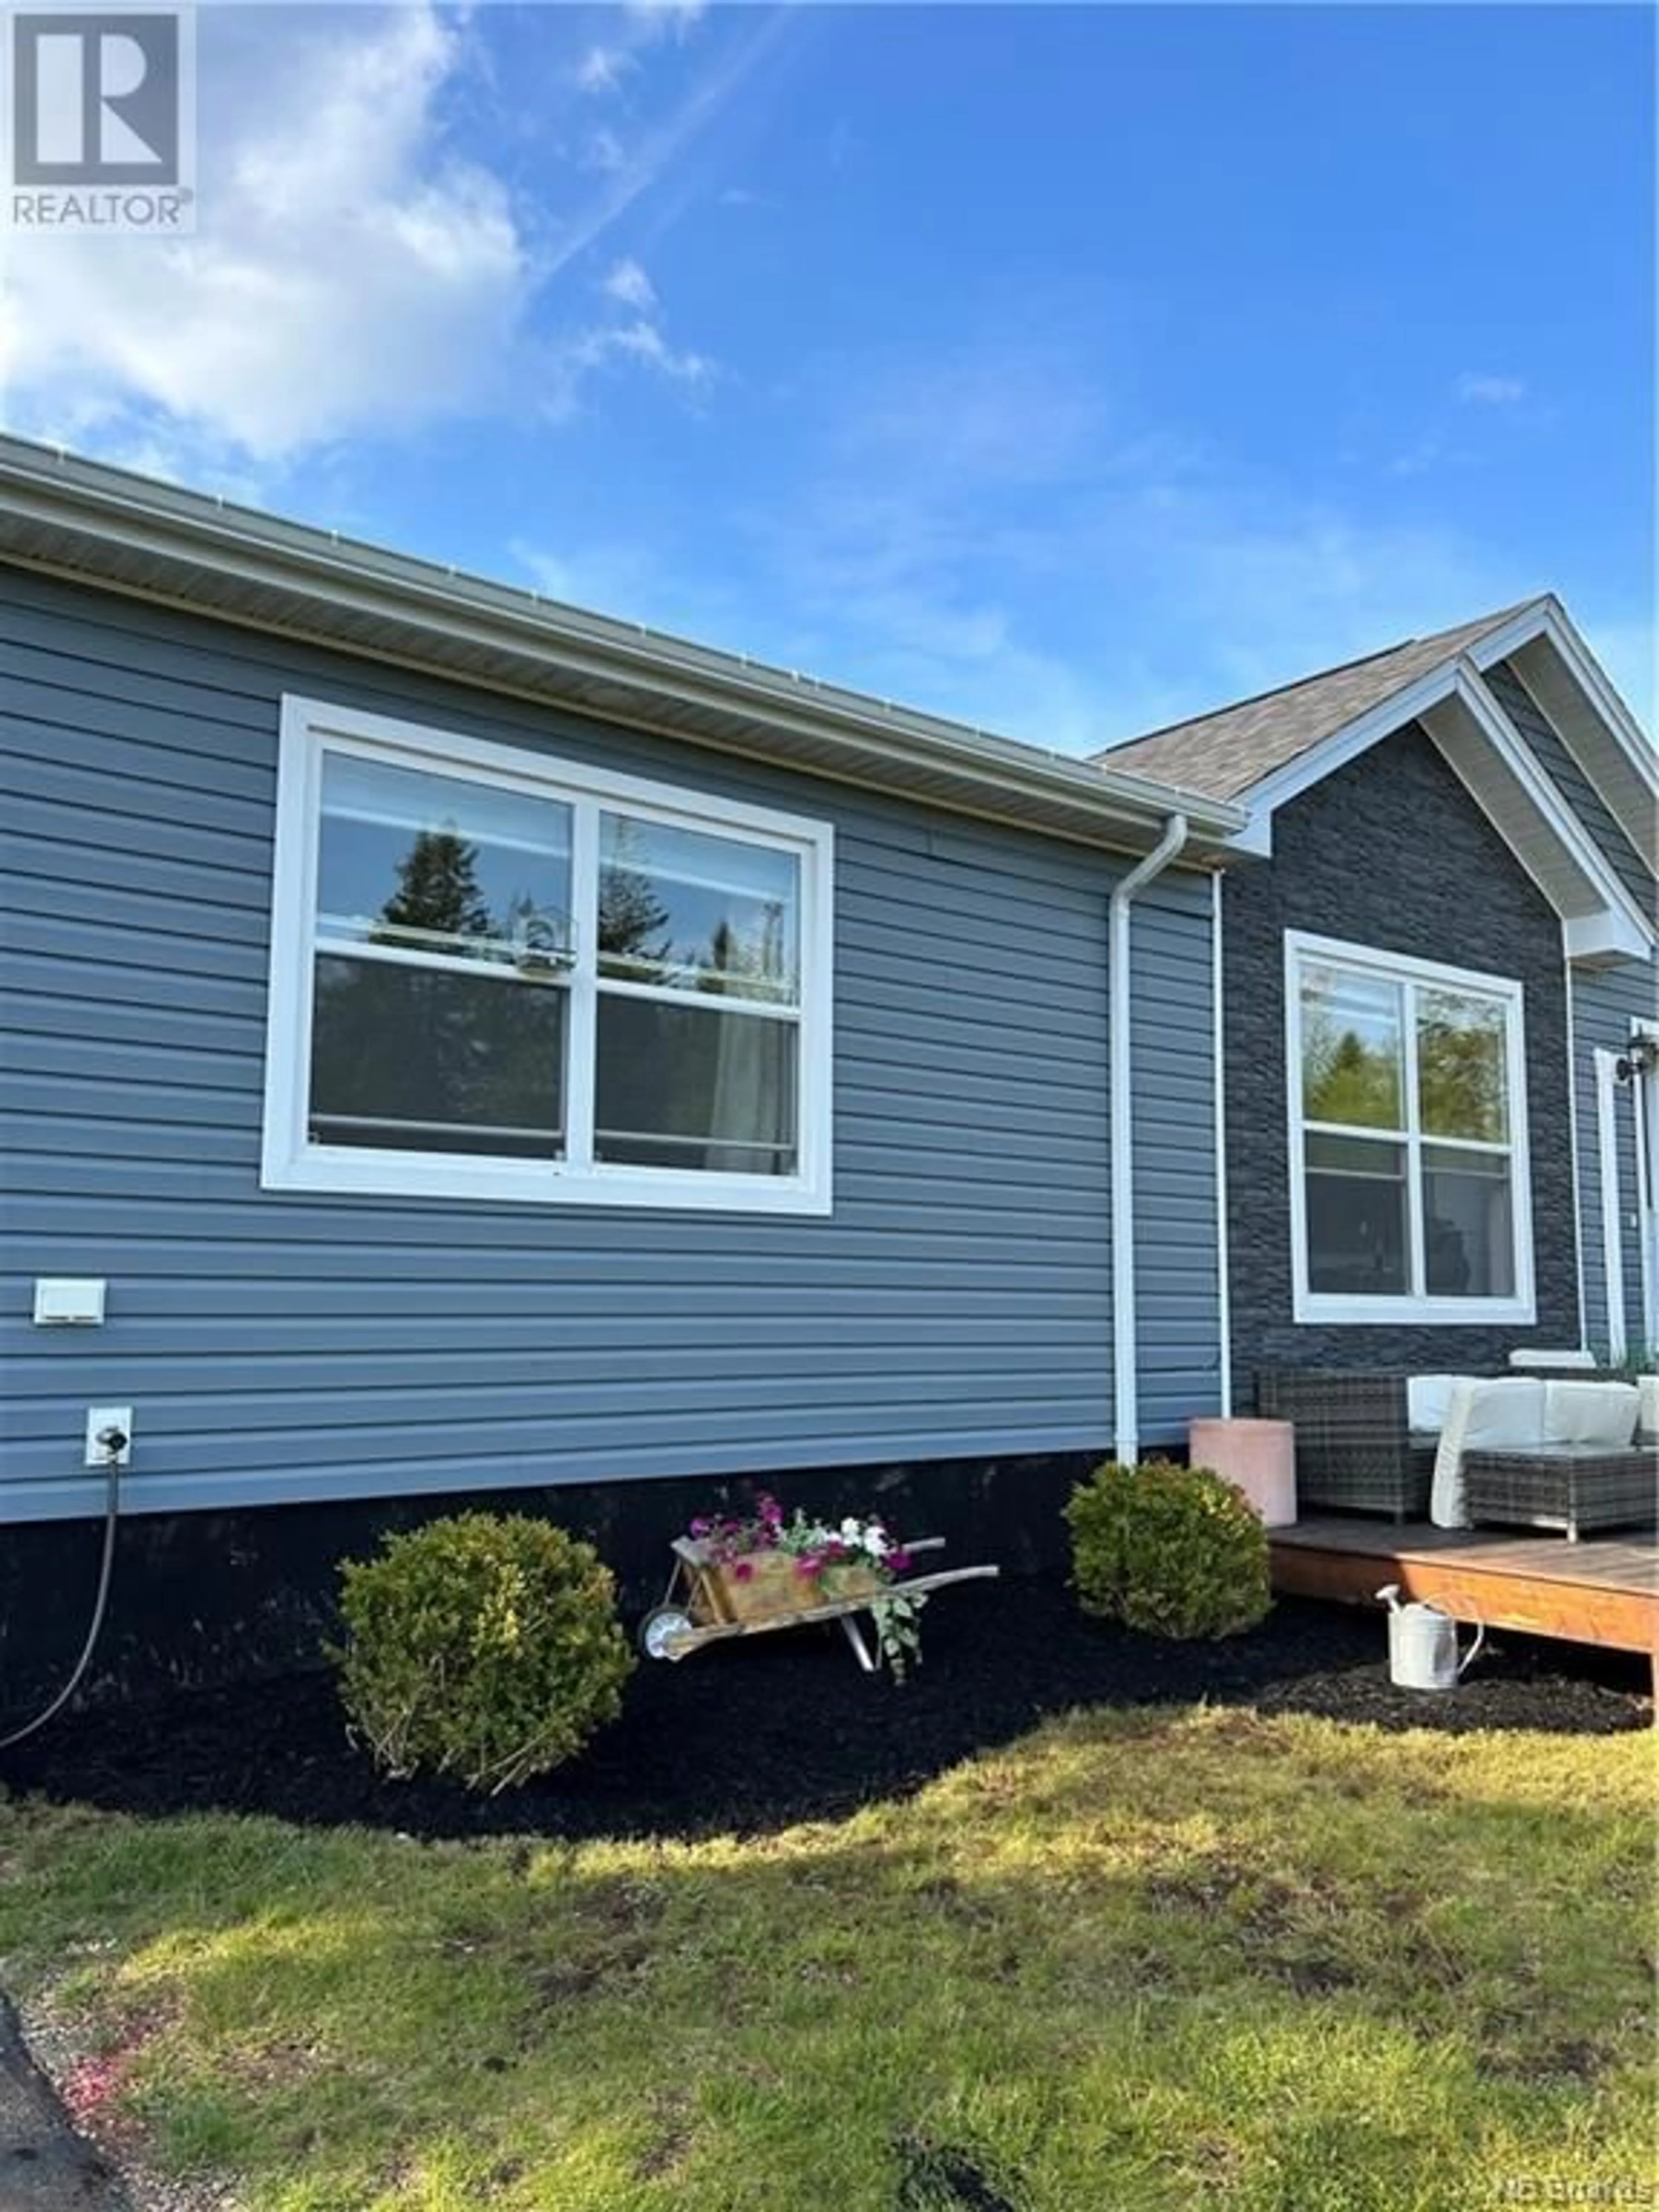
x,y
1601,1591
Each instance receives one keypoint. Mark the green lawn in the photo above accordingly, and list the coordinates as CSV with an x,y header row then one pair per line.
x,y
1136,1961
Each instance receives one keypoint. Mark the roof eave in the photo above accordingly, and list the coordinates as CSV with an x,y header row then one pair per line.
x,y
94,525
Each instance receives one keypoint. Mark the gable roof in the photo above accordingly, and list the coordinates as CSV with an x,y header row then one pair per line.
x,y
1263,752
1225,753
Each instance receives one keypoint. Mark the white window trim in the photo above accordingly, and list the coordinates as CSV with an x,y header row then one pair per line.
x,y
1308,1305
289,1161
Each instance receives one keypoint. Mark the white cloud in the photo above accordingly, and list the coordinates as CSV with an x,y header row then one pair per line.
x,y
604,151
348,274
1478,390
985,536
666,18
353,276
579,356
628,284
603,69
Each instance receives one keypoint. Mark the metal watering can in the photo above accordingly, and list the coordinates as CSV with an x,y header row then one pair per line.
x,y
1423,1644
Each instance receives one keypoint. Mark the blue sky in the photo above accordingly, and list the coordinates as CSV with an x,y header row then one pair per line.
x,y
1066,370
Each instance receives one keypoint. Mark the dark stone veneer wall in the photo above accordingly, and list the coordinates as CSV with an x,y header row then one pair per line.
x,y
201,1599
1391,852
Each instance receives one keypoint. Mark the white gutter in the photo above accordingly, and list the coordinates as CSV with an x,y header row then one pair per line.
x,y
1126,1397
95,524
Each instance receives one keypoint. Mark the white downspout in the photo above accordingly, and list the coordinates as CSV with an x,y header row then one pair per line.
x,y
1126,1407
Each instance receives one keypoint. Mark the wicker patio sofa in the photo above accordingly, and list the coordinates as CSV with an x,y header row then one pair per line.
x,y
1564,1487
1602,1476
1354,1451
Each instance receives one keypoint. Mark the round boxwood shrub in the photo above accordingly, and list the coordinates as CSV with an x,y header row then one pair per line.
x,y
1175,1550
485,1646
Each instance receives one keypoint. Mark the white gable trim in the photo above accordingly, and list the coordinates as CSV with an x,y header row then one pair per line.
x,y
1264,799
1548,621
1600,919
1601,922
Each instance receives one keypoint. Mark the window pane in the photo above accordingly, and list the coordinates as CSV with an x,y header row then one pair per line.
x,y
429,1060
1462,1066
1468,1223
1357,1222
1351,1054
433,864
687,1087
699,912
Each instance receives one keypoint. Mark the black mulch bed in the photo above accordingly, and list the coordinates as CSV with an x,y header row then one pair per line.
x,y
753,1736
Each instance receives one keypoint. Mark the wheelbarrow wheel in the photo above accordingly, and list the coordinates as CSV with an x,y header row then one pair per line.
x,y
660,1628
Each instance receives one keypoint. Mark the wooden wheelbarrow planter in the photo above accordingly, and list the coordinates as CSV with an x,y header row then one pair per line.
x,y
704,1604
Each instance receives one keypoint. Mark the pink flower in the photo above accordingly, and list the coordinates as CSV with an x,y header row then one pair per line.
x,y
743,1570
808,1565
899,1561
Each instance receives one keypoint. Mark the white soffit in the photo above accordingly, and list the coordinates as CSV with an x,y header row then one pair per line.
x,y
1566,683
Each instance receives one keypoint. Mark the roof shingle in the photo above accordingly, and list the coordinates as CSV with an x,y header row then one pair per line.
x,y
1225,753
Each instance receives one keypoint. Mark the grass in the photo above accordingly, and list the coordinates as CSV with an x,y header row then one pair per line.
x,y
1136,1961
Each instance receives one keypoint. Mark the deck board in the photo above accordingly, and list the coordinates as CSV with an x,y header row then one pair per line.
x,y
1602,1590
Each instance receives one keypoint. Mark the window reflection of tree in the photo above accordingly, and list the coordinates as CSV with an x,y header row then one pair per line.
x,y
423,1044
1461,1075
712,1091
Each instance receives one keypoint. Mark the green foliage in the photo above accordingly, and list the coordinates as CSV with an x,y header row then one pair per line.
x,y
1175,1550
1639,1359
482,1646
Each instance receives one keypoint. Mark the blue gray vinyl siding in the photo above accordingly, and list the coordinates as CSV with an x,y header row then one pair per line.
x,y
1574,786
282,1347
1606,1005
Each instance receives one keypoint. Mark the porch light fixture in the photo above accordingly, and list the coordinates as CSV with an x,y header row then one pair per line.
x,y
1641,1054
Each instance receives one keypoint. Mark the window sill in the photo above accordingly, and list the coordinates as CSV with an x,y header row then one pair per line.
x,y
1437,1313
413,1180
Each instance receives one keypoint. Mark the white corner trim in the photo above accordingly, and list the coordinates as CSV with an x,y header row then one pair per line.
x,y
1606,1146
1645,1102
290,1162
1308,1305
1573,1142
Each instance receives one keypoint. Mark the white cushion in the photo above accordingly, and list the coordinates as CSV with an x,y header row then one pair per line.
x,y
1531,1356
1427,1397
1506,1416
1590,1413
1647,1393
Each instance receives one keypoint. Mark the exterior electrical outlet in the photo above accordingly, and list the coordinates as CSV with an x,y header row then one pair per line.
x,y
103,1423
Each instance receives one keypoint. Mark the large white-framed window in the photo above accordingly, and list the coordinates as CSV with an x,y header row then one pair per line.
x,y
498,974
1410,1191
